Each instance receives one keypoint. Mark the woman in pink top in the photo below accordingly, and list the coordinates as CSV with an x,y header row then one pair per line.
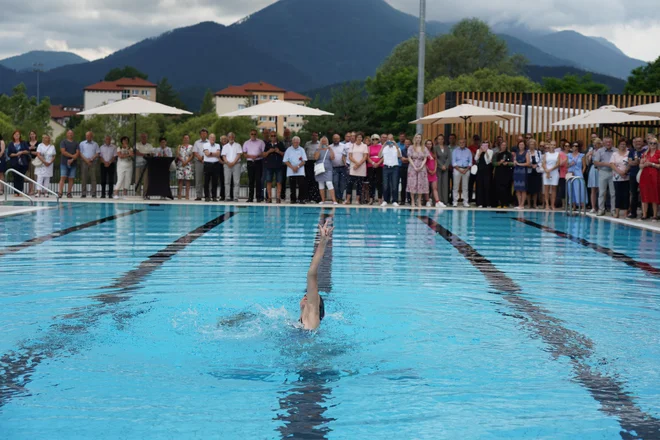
x,y
357,157
375,170
563,169
431,171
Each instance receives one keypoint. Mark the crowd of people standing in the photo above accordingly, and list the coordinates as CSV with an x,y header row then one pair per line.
x,y
374,169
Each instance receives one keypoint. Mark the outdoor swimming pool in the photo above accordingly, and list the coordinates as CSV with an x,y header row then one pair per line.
x,y
138,321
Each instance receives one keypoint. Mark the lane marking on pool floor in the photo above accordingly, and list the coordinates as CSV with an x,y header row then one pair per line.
x,y
18,366
618,256
61,233
606,390
303,412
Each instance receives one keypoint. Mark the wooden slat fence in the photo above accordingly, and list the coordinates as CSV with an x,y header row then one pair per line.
x,y
539,111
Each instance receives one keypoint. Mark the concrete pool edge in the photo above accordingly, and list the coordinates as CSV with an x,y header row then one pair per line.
x,y
9,210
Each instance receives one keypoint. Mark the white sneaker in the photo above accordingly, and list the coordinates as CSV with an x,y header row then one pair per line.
x,y
428,204
320,203
480,206
395,204
440,205
116,197
593,211
335,203
466,205
383,204
455,204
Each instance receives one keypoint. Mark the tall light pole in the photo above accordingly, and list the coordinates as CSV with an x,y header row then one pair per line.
x,y
421,64
37,67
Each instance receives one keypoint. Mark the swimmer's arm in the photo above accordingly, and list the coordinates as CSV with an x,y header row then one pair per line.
x,y
312,273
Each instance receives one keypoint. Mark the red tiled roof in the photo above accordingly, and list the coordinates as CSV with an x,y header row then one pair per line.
x,y
120,84
233,91
293,96
57,112
245,89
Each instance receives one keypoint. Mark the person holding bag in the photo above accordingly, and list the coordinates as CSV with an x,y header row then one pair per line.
x,y
323,170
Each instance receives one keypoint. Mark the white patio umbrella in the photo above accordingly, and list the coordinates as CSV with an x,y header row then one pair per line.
x,y
277,108
607,114
652,109
465,113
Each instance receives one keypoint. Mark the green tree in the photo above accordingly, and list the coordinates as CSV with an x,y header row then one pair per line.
x,y
484,80
468,47
645,79
23,111
574,84
208,106
124,72
241,127
393,98
351,108
165,94
6,126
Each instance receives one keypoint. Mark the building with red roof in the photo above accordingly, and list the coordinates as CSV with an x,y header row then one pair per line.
x,y
234,98
105,92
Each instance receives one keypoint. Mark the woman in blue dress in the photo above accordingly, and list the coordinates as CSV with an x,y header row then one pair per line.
x,y
576,187
520,165
19,159
592,180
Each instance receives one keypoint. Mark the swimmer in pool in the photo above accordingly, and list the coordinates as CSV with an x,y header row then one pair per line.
x,y
311,305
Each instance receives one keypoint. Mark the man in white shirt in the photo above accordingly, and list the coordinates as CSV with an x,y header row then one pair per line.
x,y
231,157
89,153
212,152
294,159
142,149
108,166
391,154
198,162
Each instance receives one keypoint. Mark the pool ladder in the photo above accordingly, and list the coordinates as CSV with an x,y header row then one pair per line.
x,y
8,187
569,202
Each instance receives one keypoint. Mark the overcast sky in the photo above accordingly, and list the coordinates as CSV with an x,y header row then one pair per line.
x,y
95,28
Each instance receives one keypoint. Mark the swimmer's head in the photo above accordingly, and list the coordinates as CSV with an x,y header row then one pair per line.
x,y
303,304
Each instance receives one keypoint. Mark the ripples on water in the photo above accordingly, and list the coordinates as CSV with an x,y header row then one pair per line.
x,y
417,341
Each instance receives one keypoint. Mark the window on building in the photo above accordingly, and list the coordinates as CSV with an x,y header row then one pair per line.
x,y
286,119
264,97
136,92
148,93
273,97
262,119
241,106
255,99
125,94
271,119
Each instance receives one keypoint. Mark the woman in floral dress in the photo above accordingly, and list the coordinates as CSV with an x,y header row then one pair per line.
x,y
418,181
184,170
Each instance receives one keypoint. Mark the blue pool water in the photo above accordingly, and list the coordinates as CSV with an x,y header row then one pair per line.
x,y
180,322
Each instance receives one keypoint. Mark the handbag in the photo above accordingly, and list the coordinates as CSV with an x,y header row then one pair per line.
x,y
319,168
36,162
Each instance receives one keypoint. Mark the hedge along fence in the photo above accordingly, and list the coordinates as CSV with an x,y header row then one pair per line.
x,y
539,111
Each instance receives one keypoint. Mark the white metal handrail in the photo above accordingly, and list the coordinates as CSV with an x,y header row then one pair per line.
x,y
569,202
11,170
8,187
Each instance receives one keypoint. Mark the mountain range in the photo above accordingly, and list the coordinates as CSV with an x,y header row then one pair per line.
x,y
281,45
48,59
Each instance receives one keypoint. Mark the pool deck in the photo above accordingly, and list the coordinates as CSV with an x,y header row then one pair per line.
x,y
14,210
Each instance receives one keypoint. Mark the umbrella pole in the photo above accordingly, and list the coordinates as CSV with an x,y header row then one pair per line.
x,y
135,152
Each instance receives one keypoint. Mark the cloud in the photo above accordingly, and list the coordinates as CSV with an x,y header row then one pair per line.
x,y
96,28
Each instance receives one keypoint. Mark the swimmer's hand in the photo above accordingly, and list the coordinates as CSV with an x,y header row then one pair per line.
x,y
325,230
